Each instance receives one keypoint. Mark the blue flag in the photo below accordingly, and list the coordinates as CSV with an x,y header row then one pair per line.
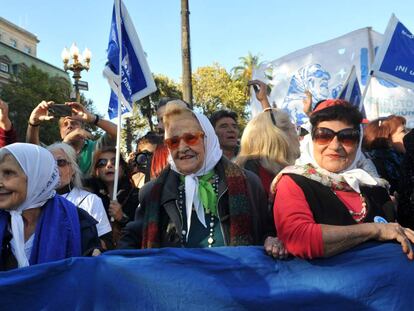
x,y
137,81
351,91
395,58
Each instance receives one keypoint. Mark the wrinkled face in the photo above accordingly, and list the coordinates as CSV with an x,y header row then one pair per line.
x,y
397,139
188,156
227,131
334,156
67,125
160,114
66,171
13,184
105,167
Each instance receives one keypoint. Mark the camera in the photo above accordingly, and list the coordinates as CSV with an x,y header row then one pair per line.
x,y
143,161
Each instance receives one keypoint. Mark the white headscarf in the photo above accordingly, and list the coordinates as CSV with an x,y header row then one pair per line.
x,y
353,175
213,154
42,178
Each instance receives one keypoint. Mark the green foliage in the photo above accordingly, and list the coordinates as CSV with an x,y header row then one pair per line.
x,y
244,71
26,90
144,111
215,89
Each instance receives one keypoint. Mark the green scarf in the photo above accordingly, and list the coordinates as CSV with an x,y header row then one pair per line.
x,y
206,193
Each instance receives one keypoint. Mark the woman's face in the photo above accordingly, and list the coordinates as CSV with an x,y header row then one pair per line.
x,y
188,154
334,156
105,167
66,171
397,139
13,184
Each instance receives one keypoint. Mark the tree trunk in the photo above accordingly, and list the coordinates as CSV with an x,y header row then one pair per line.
x,y
185,52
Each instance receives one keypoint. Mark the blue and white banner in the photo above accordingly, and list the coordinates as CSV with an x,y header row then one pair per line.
x,y
395,58
136,78
351,91
322,70
368,277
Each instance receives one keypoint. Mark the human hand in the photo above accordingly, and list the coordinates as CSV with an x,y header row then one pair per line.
x,y
76,135
80,113
275,248
115,210
96,252
40,113
393,231
260,89
5,122
307,103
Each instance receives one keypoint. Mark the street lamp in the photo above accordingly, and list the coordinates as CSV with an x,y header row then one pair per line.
x,y
77,65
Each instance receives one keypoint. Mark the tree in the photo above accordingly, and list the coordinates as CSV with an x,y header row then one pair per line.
x,y
215,89
144,111
186,52
26,90
244,71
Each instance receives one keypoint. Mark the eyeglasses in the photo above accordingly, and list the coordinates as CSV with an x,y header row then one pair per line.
x,y
348,137
103,162
189,138
62,162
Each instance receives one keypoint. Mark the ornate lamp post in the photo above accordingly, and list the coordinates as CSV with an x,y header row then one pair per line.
x,y
77,65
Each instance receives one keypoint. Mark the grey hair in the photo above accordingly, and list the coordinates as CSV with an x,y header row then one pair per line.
x,y
71,156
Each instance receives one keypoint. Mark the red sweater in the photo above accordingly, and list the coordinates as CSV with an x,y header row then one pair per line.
x,y
294,220
7,137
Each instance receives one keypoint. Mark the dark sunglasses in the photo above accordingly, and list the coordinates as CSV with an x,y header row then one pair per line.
x,y
62,162
103,162
189,138
348,137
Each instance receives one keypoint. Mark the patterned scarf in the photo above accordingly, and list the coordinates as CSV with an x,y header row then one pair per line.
x,y
239,209
326,178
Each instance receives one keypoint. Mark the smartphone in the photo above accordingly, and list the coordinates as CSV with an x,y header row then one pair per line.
x,y
60,110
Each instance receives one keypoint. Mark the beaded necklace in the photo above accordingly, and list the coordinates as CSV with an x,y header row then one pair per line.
x,y
181,203
359,216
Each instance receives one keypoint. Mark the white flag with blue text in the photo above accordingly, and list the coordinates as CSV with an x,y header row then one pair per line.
x,y
136,78
395,58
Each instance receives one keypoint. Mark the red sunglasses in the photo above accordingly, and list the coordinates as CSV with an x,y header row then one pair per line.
x,y
348,137
189,138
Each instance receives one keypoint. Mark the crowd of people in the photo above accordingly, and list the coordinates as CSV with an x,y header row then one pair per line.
x,y
308,192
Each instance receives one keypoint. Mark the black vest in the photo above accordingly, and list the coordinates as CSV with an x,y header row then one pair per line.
x,y
328,209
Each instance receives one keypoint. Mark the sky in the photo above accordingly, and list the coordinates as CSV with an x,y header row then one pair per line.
x,y
221,30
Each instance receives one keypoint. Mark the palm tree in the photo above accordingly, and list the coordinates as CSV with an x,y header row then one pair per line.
x,y
245,70
185,52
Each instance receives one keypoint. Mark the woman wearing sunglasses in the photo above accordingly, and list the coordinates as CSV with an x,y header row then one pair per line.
x,y
201,199
122,210
71,188
327,205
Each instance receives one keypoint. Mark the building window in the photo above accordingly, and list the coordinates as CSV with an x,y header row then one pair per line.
x,y
28,49
4,67
13,43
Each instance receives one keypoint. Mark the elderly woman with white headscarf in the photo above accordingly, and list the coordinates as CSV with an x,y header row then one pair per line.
x,y
326,204
36,225
201,199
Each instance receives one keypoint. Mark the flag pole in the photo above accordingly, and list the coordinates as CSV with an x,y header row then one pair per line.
x,y
118,132
371,72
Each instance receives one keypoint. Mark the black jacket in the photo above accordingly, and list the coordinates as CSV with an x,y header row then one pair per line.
x,y
171,222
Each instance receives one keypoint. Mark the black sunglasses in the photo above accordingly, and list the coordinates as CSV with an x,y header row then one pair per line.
x,y
348,137
103,162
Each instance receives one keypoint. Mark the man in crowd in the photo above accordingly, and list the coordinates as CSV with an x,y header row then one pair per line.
x,y
72,131
227,129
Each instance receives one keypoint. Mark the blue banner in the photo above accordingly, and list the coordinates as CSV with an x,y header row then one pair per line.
x,y
136,78
395,58
373,276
